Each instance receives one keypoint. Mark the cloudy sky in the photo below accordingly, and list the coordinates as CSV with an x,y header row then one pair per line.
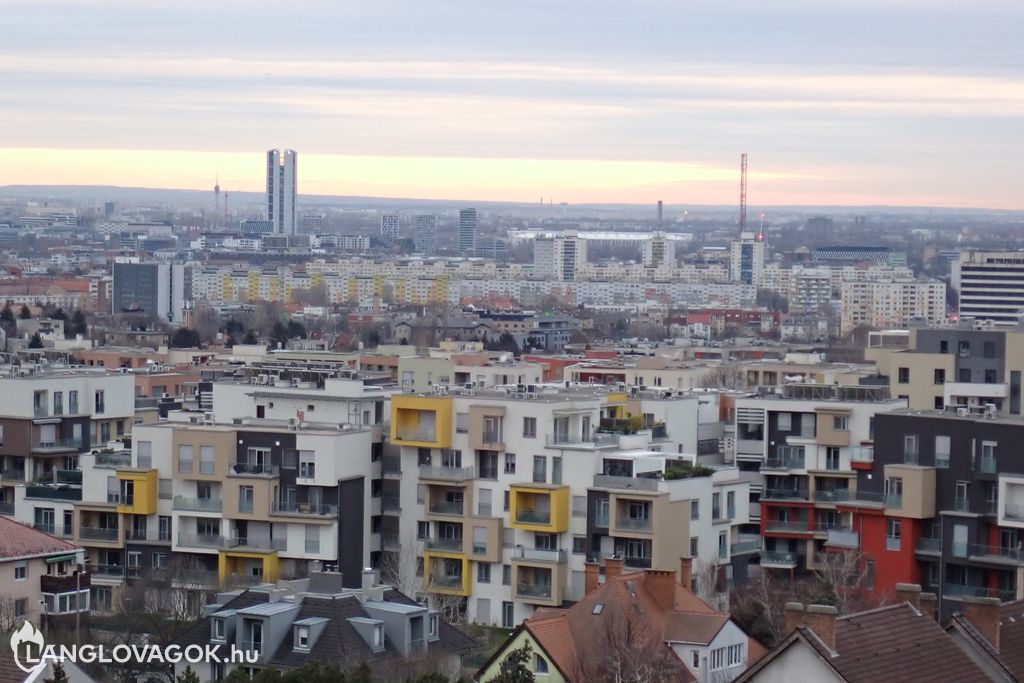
x,y
901,102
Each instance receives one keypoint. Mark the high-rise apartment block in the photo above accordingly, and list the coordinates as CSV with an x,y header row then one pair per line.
x,y
990,285
390,226
425,234
559,256
659,251
153,290
746,259
892,303
467,232
282,188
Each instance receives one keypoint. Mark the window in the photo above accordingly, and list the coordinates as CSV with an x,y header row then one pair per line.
x,y
910,449
101,405
694,509
735,655
869,574
942,451
493,428
940,375
21,571
530,427
894,492
730,504
892,533
159,560
307,465
579,545
964,375
164,527
990,376
785,422
556,469
718,659
988,349
302,637
73,403
695,659
545,541
694,546
451,458
832,458
462,423
20,607
487,464
510,464
206,460
964,349
960,495
939,403
422,530
245,499
841,423
218,629
425,459
508,498
903,375
540,469
483,572
58,403
508,611
506,575
540,665
185,458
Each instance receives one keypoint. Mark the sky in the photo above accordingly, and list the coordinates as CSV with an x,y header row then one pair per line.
x,y
896,102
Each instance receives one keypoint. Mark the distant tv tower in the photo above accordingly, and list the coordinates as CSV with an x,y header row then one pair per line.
x,y
216,200
743,192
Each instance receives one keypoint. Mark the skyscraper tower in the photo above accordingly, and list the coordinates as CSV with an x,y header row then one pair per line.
x,y
467,232
424,234
282,186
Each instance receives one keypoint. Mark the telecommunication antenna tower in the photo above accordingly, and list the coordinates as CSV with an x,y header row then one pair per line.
x,y
743,192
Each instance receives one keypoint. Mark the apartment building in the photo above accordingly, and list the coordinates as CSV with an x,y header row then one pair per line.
x,y
957,367
507,501
48,417
950,507
801,450
891,303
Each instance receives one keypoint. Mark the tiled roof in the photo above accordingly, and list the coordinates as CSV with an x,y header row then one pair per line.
x,y
20,540
1010,653
897,643
693,627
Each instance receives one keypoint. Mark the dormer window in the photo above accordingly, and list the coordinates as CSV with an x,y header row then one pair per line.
x,y
378,637
218,629
433,624
301,637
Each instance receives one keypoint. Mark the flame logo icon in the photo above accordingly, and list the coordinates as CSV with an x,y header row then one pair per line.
x,y
26,635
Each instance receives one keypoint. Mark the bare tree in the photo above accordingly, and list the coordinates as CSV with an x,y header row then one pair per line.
x,y
8,614
626,648
725,376
759,608
706,576
839,581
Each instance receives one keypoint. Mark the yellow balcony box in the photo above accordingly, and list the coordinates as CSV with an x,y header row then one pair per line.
x,y
539,507
446,573
421,421
138,493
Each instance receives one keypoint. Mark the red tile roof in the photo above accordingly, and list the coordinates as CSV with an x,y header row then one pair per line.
x,y
19,540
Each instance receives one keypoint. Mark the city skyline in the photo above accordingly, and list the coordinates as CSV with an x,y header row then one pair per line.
x,y
849,104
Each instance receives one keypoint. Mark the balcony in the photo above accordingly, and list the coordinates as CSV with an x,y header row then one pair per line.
x,y
192,540
862,454
1014,511
247,469
257,544
58,445
390,504
526,516
108,570
957,590
836,496
843,538
928,546
778,560
961,504
637,561
987,464
893,500
125,499
996,553
391,466
303,509
454,474
446,581
611,481
251,645
45,527
448,545
198,504
785,494
47,492
787,463
88,533
447,507
659,432
787,527
139,534
527,591
577,442
539,555
7,507
119,460
634,523
746,543
12,476
64,584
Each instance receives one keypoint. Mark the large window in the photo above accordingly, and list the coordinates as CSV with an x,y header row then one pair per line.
x,y
185,455
893,528
529,427
942,451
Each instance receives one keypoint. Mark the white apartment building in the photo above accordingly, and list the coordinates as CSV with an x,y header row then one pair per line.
x,y
559,256
282,188
390,226
893,303
518,486
746,258
990,285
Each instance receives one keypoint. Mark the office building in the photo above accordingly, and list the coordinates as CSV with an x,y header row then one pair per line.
x,y
425,234
390,226
282,188
989,285
467,232
559,256
152,290
746,259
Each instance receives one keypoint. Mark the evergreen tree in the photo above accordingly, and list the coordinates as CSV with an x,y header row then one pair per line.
x,y
60,676
250,338
188,676
25,314
35,342
516,667
78,325
7,315
184,338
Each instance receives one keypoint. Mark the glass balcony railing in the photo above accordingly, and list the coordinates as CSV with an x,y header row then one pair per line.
x,y
961,504
634,523
198,504
533,590
200,540
446,581
893,500
1013,554
928,545
446,544
1013,511
775,557
778,526
248,469
987,464
539,555
784,494
313,509
533,516
446,473
444,507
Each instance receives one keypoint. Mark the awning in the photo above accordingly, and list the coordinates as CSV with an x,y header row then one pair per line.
x,y
61,558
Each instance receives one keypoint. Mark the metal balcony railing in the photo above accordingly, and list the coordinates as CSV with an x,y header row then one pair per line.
x,y
784,494
246,469
597,440
107,569
637,561
198,504
1014,554
96,534
448,544
958,590
539,555
787,526
786,463
443,507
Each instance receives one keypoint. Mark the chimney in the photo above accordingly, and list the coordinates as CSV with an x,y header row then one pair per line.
x,y
929,605
909,592
590,577
983,613
686,572
612,568
661,585
794,617
822,620
369,581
